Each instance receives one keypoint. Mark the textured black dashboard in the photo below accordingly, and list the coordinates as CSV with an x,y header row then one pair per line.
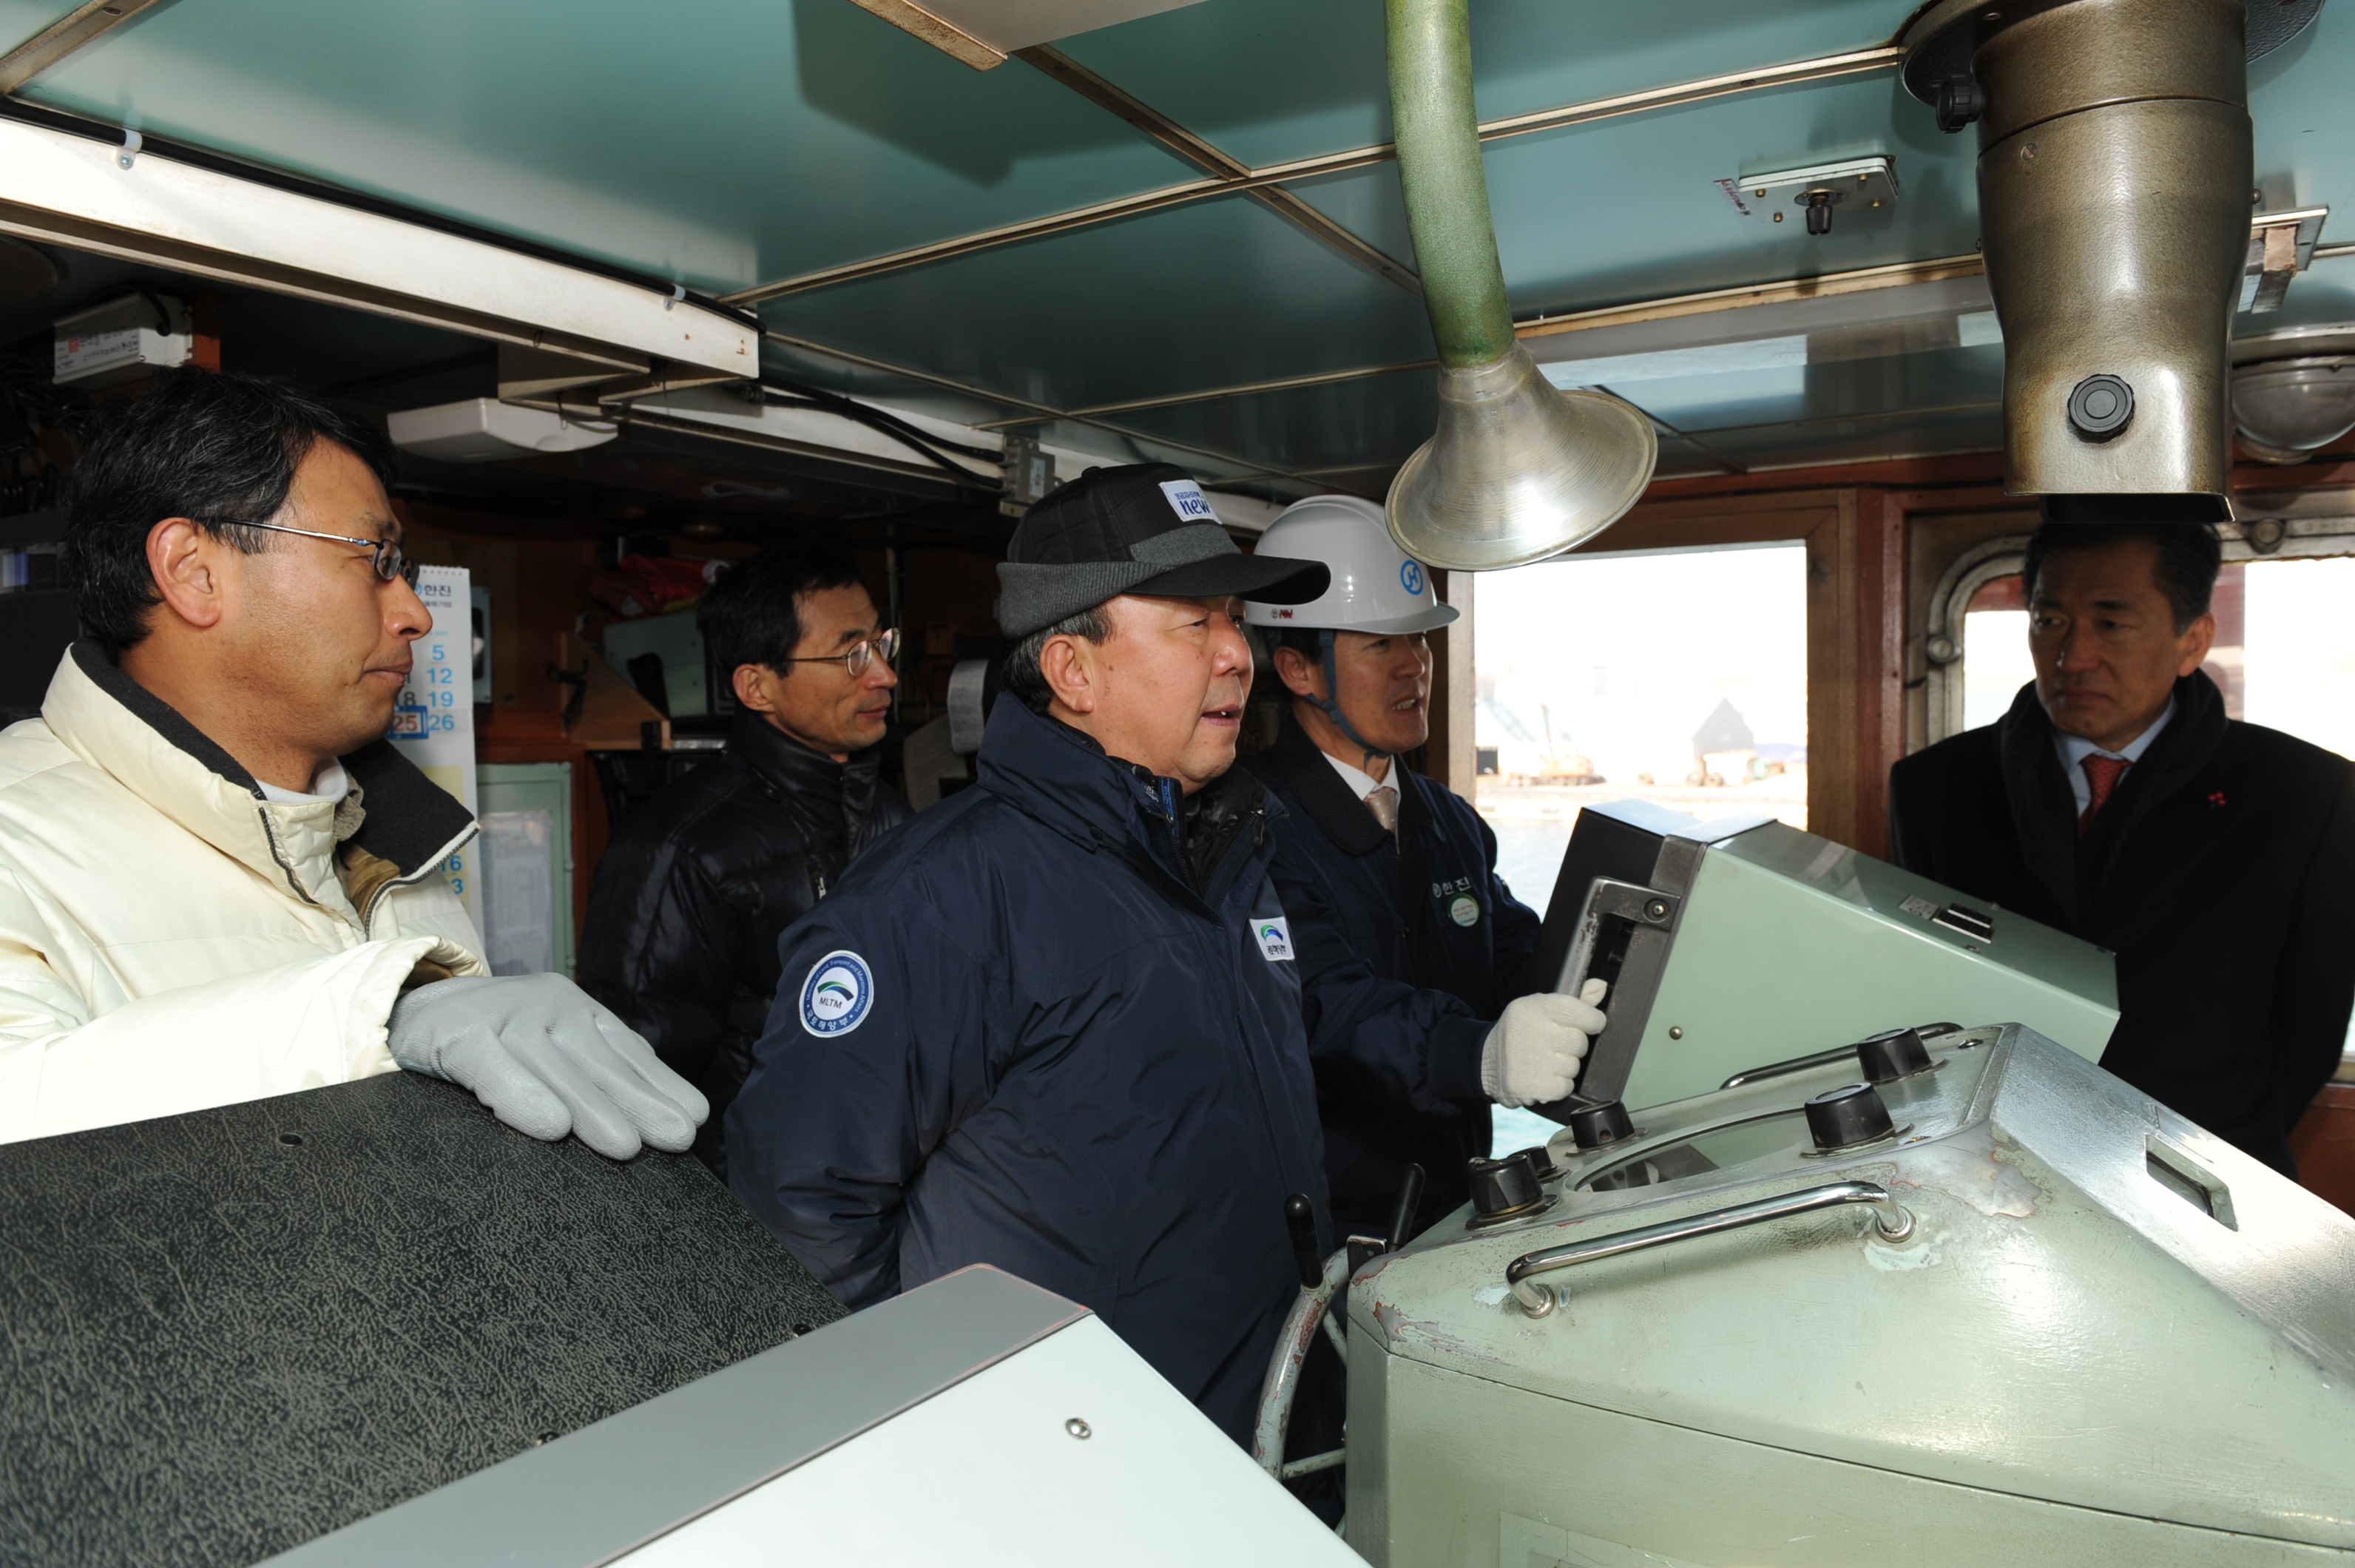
x,y
229,1332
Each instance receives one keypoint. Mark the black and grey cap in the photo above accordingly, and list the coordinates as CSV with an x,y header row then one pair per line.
x,y
1144,528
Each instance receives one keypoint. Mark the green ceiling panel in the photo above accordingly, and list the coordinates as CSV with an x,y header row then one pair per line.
x,y
1217,294
2305,121
1900,432
1355,424
728,143
1937,379
724,142
1270,82
1630,208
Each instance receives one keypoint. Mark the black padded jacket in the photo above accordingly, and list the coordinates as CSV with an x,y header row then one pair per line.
x,y
684,915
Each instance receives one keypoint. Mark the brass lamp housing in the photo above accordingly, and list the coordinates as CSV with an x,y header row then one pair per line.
x,y
2114,170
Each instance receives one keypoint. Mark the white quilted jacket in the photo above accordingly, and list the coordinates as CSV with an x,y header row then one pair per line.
x,y
169,940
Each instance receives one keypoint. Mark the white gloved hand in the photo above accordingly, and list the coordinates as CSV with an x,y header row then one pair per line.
x,y
548,1061
1534,1053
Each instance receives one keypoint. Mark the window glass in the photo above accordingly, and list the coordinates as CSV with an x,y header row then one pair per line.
x,y
1674,676
2298,662
1995,652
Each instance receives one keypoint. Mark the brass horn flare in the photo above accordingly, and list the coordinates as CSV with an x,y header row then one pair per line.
x,y
1520,470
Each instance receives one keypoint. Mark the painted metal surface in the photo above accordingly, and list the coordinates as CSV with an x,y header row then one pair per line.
x,y
730,144
2073,1356
1790,944
1739,942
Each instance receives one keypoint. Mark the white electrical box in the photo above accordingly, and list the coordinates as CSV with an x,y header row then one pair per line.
x,y
122,340
483,430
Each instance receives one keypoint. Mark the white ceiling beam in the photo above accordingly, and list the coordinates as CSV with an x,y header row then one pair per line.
x,y
88,195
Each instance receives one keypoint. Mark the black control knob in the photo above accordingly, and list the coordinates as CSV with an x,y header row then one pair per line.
x,y
1501,1188
1845,1117
1961,101
2100,407
1892,1054
1539,1162
1819,210
1605,1122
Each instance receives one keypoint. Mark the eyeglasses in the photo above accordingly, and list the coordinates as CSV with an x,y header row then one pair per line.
x,y
860,654
383,555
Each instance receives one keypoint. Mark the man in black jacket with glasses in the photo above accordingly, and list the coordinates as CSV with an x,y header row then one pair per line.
x,y
685,912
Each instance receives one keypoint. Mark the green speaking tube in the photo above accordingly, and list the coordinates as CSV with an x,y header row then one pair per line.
x,y
1520,470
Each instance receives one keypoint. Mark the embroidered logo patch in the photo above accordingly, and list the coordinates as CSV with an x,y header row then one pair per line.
x,y
1275,939
1465,909
836,997
1186,500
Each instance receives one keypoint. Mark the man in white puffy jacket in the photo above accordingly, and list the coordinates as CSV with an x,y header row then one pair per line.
x,y
217,881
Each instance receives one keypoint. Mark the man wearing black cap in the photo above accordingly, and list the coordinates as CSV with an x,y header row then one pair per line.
x,y
1054,1024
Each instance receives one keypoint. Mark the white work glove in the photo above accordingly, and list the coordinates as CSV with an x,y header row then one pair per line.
x,y
1533,1055
548,1061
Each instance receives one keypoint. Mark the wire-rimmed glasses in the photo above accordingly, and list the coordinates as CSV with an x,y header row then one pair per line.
x,y
860,654
383,555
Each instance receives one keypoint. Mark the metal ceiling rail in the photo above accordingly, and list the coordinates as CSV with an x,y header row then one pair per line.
x,y
1250,181
1040,413
1246,389
1862,280
83,25
1179,140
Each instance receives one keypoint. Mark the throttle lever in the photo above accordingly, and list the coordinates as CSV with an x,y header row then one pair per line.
x,y
1403,1213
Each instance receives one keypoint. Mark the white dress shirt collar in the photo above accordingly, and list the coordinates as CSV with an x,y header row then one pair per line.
x,y
2075,748
1361,782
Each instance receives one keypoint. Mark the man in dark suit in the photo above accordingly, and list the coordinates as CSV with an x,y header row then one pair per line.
x,y
2117,802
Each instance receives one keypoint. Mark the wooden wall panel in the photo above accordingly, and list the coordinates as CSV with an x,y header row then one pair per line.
x,y
1451,756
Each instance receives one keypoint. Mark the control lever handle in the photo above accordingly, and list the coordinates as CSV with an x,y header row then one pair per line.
x,y
1300,1218
1892,1222
1410,1199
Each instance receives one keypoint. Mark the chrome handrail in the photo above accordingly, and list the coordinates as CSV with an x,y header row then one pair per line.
x,y
1783,1068
1892,1222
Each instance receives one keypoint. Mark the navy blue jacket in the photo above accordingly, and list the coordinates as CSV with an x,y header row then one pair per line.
x,y
1015,1034
1410,947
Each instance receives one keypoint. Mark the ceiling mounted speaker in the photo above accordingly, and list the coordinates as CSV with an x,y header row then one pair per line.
x,y
2287,410
1519,469
2114,173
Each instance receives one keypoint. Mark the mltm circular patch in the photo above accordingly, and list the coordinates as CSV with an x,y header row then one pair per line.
x,y
836,997
1465,909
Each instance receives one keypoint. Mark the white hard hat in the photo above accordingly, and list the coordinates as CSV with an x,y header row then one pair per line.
x,y
1375,588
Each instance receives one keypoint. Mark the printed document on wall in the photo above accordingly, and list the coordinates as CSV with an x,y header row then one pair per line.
x,y
434,718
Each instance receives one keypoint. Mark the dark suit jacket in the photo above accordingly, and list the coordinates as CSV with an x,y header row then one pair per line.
x,y
2221,873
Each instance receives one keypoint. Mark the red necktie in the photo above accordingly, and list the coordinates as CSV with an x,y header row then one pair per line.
x,y
2103,774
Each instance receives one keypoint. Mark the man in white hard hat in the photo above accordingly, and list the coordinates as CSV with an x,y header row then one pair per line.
x,y
1412,948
